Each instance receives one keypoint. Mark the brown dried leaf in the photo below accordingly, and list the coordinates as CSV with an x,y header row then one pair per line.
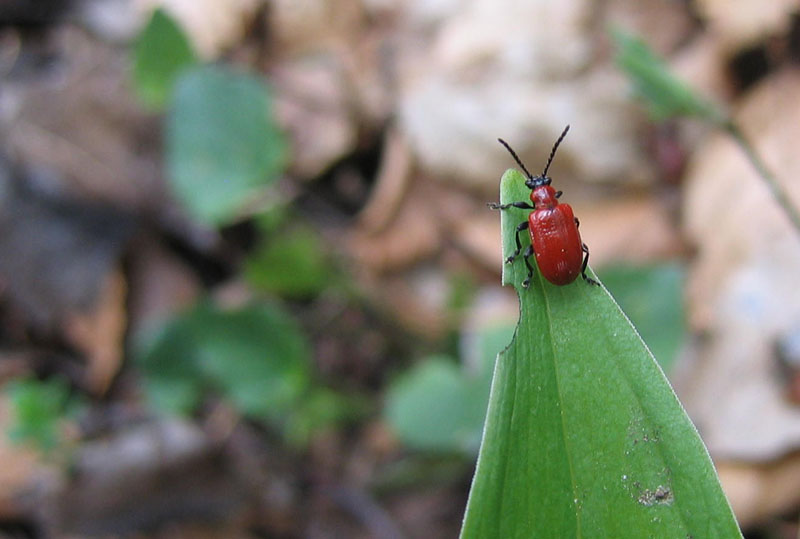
x,y
636,229
411,236
390,185
99,334
312,101
160,285
83,125
739,24
759,491
313,25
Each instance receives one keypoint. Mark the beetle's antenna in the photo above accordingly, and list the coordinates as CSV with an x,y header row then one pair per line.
x,y
553,151
514,155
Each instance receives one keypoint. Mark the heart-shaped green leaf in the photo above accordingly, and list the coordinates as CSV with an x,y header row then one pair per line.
x,y
223,143
255,355
437,406
584,437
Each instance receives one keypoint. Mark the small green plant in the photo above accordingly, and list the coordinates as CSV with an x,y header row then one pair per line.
x,y
39,409
584,436
668,97
255,357
223,145
439,405
290,262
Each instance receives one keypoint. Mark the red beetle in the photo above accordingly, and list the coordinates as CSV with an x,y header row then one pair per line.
x,y
555,240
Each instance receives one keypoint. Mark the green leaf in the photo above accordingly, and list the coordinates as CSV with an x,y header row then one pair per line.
x,y
254,356
172,381
652,297
584,436
38,408
223,145
439,405
665,95
161,52
436,407
291,263
321,408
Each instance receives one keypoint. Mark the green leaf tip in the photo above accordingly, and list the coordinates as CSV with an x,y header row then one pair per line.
x,y
161,52
584,436
665,95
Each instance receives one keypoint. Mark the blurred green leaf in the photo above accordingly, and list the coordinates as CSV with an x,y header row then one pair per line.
x,y
439,405
319,409
161,52
291,263
173,395
223,145
665,95
38,407
652,297
584,436
255,356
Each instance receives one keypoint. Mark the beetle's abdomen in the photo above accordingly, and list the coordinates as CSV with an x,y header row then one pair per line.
x,y
556,243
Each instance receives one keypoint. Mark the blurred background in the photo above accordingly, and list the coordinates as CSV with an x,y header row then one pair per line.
x,y
249,284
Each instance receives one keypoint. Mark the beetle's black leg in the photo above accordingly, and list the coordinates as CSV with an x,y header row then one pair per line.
x,y
522,226
585,263
526,257
559,193
577,225
520,205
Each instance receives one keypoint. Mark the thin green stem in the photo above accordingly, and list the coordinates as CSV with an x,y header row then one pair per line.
x,y
781,197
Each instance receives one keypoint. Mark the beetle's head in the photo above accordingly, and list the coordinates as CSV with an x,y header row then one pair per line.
x,y
537,181
543,179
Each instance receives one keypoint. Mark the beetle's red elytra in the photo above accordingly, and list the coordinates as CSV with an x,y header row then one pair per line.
x,y
555,241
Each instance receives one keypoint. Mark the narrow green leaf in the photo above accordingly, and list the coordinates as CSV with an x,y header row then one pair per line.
x,y
223,144
664,94
161,52
584,436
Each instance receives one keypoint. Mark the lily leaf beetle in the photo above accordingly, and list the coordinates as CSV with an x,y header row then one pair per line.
x,y
555,240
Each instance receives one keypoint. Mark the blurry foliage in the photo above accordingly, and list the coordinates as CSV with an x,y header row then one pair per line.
x,y
439,405
223,144
668,97
256,357
652,297
38,410
161,52
290,262
665,95
223,149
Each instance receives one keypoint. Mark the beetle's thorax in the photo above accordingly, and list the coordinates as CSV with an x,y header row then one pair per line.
x,y
544,196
